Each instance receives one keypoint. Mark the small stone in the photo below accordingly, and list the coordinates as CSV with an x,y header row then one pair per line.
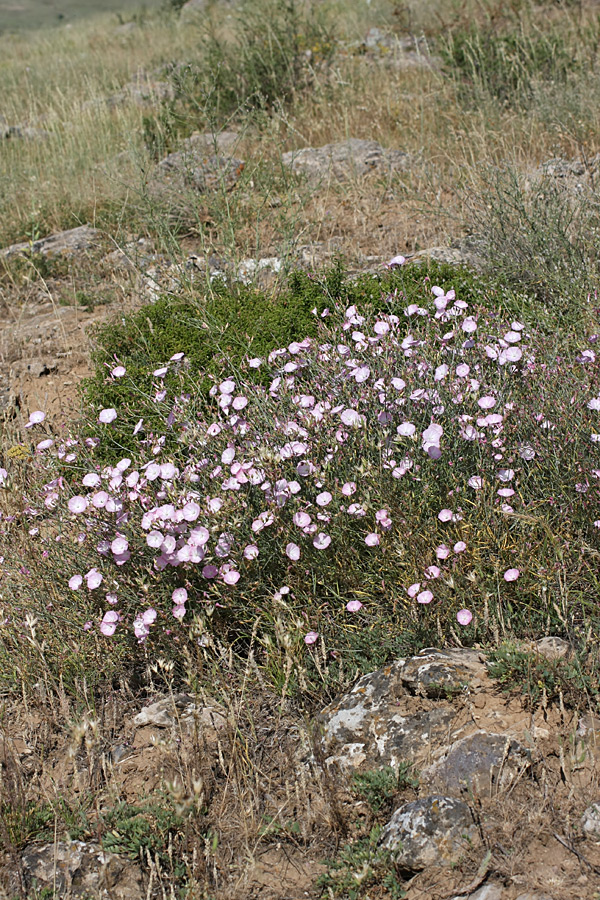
x,y
590,821
534,896
433,831
552,647
487,892
180,709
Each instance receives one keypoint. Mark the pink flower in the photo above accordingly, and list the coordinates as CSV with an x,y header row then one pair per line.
x,y
476,482
301,519
107,416
396,261
324,498
414,589
460,547
463,370
432,572
75,582
109,622
407,429
321,541
349,488
231,577
351,417
227,387
36,418
77,504
191,511
250,551
442,552
94,579
119,545
311,637
464,617
445,515
424,597
486,402
372,539
511,574
353,605
179,596
118,371
293,551
45,444
91,480
210,571
469,325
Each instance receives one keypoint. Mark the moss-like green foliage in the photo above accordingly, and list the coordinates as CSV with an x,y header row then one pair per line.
x,y
231,323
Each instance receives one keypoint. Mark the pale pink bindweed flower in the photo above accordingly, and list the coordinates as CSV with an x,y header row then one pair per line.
x,y
353,605
321,541
424,597
445,515
107,416
293,551
511,574
372,539
35,418
464,617
311,637
77,504
75,582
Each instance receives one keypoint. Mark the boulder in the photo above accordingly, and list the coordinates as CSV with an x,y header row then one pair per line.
x,y
344,160
63,243
78,869
390,715
432,831
487,892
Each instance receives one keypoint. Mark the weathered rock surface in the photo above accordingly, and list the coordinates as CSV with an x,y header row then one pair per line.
x,y
396,51
487,892
180,710
80,869
379,723
433,831
353,158
590,821
478,764
142,91
203,163
63,243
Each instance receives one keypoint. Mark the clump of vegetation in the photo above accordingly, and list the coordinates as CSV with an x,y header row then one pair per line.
x,y
437,445
381,785
539,679
360,866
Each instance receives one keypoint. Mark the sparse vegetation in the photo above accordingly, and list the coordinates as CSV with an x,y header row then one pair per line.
x,y
263,489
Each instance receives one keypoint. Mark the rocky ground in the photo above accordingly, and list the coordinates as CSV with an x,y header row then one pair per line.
x,y
501,800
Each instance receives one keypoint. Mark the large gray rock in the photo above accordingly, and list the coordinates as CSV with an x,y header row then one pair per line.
x,y
479,764
344,160
433,831
390,715
63,243
80,869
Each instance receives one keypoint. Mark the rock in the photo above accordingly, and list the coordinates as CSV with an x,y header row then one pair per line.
x,y
487,892
63,243
588,726
192,10
203,163
81,869
143,91
552,647
37,369
432,831
250,270
388,716
180,709
352,158
590,821
534,896
478,764
25,132
450,255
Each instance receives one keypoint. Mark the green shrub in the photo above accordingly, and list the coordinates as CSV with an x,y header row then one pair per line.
x,y
231,324
360,866
379,786
506,67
